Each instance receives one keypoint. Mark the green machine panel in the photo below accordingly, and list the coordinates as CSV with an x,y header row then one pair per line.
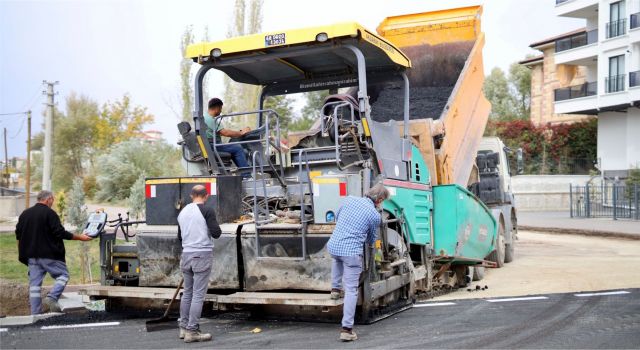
x,y
463,226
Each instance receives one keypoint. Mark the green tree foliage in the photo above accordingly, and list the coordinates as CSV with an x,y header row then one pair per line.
x,y
283,105
125,162
496,89
77,210
136,200
73,138
186,81
310,111
520,81
60,205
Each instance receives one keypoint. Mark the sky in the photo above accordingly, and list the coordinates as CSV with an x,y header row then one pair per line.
x,y
104,49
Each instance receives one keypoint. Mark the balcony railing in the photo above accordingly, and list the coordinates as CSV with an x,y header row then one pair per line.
x,y
617,28
634,78
577,40
571,92
635,20
558,2
615,83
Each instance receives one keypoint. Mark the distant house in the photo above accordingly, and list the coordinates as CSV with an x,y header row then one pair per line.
x,y
151,135
546,77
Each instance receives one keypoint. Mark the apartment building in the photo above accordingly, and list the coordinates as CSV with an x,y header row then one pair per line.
x,y
546,77
609,51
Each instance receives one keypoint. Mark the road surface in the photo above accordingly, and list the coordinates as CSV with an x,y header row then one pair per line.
x,y
570,320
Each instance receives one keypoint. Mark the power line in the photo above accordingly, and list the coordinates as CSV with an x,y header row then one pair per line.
x,y
16,113
19,130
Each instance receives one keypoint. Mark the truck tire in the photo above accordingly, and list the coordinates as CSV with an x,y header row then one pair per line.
x,y
498,255
509,253
478,273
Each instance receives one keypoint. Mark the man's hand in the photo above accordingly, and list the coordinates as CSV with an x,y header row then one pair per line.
x,y
245,130
83,237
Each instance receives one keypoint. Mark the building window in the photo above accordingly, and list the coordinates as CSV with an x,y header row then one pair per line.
x,y
617,20
616,80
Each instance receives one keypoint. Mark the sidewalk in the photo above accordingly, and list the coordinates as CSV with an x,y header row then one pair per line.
x,y
561,222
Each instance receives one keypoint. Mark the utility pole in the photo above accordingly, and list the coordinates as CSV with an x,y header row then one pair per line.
x,y
27,184
6,160
48,136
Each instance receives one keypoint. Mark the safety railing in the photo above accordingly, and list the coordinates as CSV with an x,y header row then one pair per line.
x,y
615,83
605,201
577,40
617,28
267,140
337,121
576,91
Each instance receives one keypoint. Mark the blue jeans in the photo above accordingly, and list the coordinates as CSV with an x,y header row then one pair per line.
x,y
196,268
345,270
237,153
38,268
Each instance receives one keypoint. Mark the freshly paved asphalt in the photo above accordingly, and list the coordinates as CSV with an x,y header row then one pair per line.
x,y
559,321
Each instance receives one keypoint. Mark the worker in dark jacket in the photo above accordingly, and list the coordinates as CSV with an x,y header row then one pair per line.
x,y
197,229
40,234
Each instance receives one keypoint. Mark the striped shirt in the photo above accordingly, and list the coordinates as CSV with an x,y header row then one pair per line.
x,y
357,222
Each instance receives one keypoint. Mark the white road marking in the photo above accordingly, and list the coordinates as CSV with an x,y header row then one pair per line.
x,y
83,325
432,304
516,299
4,330
602,293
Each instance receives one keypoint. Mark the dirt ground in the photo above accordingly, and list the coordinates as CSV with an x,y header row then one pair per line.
x,y
14,297
558,263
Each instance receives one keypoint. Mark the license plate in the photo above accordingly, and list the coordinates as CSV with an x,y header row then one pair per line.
x,y
275,39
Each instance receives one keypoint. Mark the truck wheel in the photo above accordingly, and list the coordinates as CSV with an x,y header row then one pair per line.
x,y
497,256
478,273
509,253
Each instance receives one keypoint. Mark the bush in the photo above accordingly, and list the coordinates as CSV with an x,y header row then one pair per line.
x,y
119,169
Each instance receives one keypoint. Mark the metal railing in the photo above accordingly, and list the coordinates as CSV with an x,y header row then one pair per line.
x,y
617,28
615,83
577,40
605,201
634,20
634,78
549,166
576,91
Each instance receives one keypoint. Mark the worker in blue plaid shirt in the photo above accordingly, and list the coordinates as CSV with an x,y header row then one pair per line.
x,y
357,222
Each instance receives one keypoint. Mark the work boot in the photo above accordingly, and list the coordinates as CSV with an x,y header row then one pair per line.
x,y
348,335
52,304
182,333
196,336
336,294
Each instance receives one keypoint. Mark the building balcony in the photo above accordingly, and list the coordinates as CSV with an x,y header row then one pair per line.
x,y
617,28
577,8
579,49
578,99
615,83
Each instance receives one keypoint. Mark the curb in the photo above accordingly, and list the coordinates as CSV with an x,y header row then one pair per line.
x,y
26,320
582,232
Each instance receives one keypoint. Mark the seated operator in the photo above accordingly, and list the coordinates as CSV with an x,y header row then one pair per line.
x,y
236,151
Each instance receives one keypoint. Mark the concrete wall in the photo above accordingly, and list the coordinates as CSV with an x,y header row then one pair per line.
x,y
12,206
544,192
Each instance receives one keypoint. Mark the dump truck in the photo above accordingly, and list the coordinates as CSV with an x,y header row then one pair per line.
x,y
410,115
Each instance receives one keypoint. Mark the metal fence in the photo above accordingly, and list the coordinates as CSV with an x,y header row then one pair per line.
x,y
605,201
538,165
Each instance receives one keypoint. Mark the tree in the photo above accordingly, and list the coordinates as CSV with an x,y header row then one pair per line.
x,y
136,200
119,121
73,137
243,97
496,89
310,112
186,89
125,162
77,217
520,81
282,105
